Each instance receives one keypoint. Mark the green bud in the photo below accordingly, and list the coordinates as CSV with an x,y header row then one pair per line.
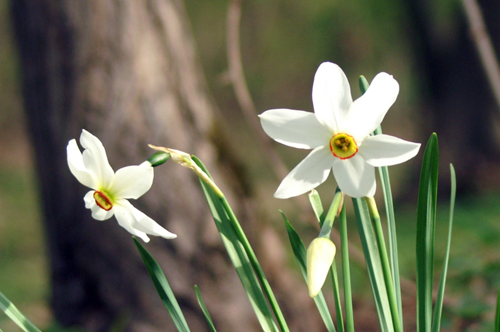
x,y
320,256
158,158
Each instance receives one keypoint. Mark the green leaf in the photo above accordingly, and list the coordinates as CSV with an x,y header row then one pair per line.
x,y
163,288
239,258
438,309
373,264
426,224
363,84
349,316
17,317
300,253
391,232
204,309
336,297
391,221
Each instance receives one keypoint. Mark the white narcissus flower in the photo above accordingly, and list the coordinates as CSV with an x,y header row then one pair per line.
x,y
111,190
339,133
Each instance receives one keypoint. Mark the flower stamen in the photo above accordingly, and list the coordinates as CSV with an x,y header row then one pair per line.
x,y
102,200
343,146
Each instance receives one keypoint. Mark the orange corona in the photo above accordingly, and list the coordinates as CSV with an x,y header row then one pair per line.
x,y
102,200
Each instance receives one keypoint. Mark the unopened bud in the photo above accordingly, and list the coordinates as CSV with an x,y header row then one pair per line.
x,y
320,256
158,158
185,160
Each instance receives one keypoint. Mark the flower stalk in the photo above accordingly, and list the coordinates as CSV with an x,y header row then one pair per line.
x,y
185,160
335,208
321,251
255,262
386,270
349,315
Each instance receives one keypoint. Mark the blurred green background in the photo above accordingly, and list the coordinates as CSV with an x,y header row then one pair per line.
x,y
282,44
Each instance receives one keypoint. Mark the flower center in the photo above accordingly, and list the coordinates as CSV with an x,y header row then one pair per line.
x,y
343,146
103,200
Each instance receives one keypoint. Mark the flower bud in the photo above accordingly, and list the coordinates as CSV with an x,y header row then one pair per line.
x,y
320,256
179,157
186,160
158,158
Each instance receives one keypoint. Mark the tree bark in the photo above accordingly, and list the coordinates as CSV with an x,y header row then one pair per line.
x,y
127,71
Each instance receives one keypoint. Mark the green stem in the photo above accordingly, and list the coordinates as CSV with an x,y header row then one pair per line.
x,y
379,233
349,316
336,296
326,227
255,263
391,230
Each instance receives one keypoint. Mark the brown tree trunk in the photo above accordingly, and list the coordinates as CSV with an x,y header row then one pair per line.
x,y
127,71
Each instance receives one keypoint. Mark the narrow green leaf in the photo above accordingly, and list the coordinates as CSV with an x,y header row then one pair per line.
x,y
391,221
363,84
163,288
384,259
239,258
300,253
349,316
204,309
438,309
374,266
336,297
426,223
497,314
391,232
17,317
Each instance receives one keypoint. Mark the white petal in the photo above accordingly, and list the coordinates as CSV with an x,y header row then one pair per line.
x,y
298,129
76,166
331,96
308,174
95,159
355,177
126,219
143,223
97,212
386,150
368,111
132,181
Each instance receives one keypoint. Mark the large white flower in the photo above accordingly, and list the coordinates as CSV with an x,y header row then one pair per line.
x,y
339,133
111,190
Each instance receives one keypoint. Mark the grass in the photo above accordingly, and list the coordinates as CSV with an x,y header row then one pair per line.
x,y
23,267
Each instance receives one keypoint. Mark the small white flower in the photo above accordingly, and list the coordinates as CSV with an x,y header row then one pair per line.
x,y
111,190
339,133
320,255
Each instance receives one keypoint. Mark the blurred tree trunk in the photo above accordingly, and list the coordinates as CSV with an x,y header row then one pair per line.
x,y
127,71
